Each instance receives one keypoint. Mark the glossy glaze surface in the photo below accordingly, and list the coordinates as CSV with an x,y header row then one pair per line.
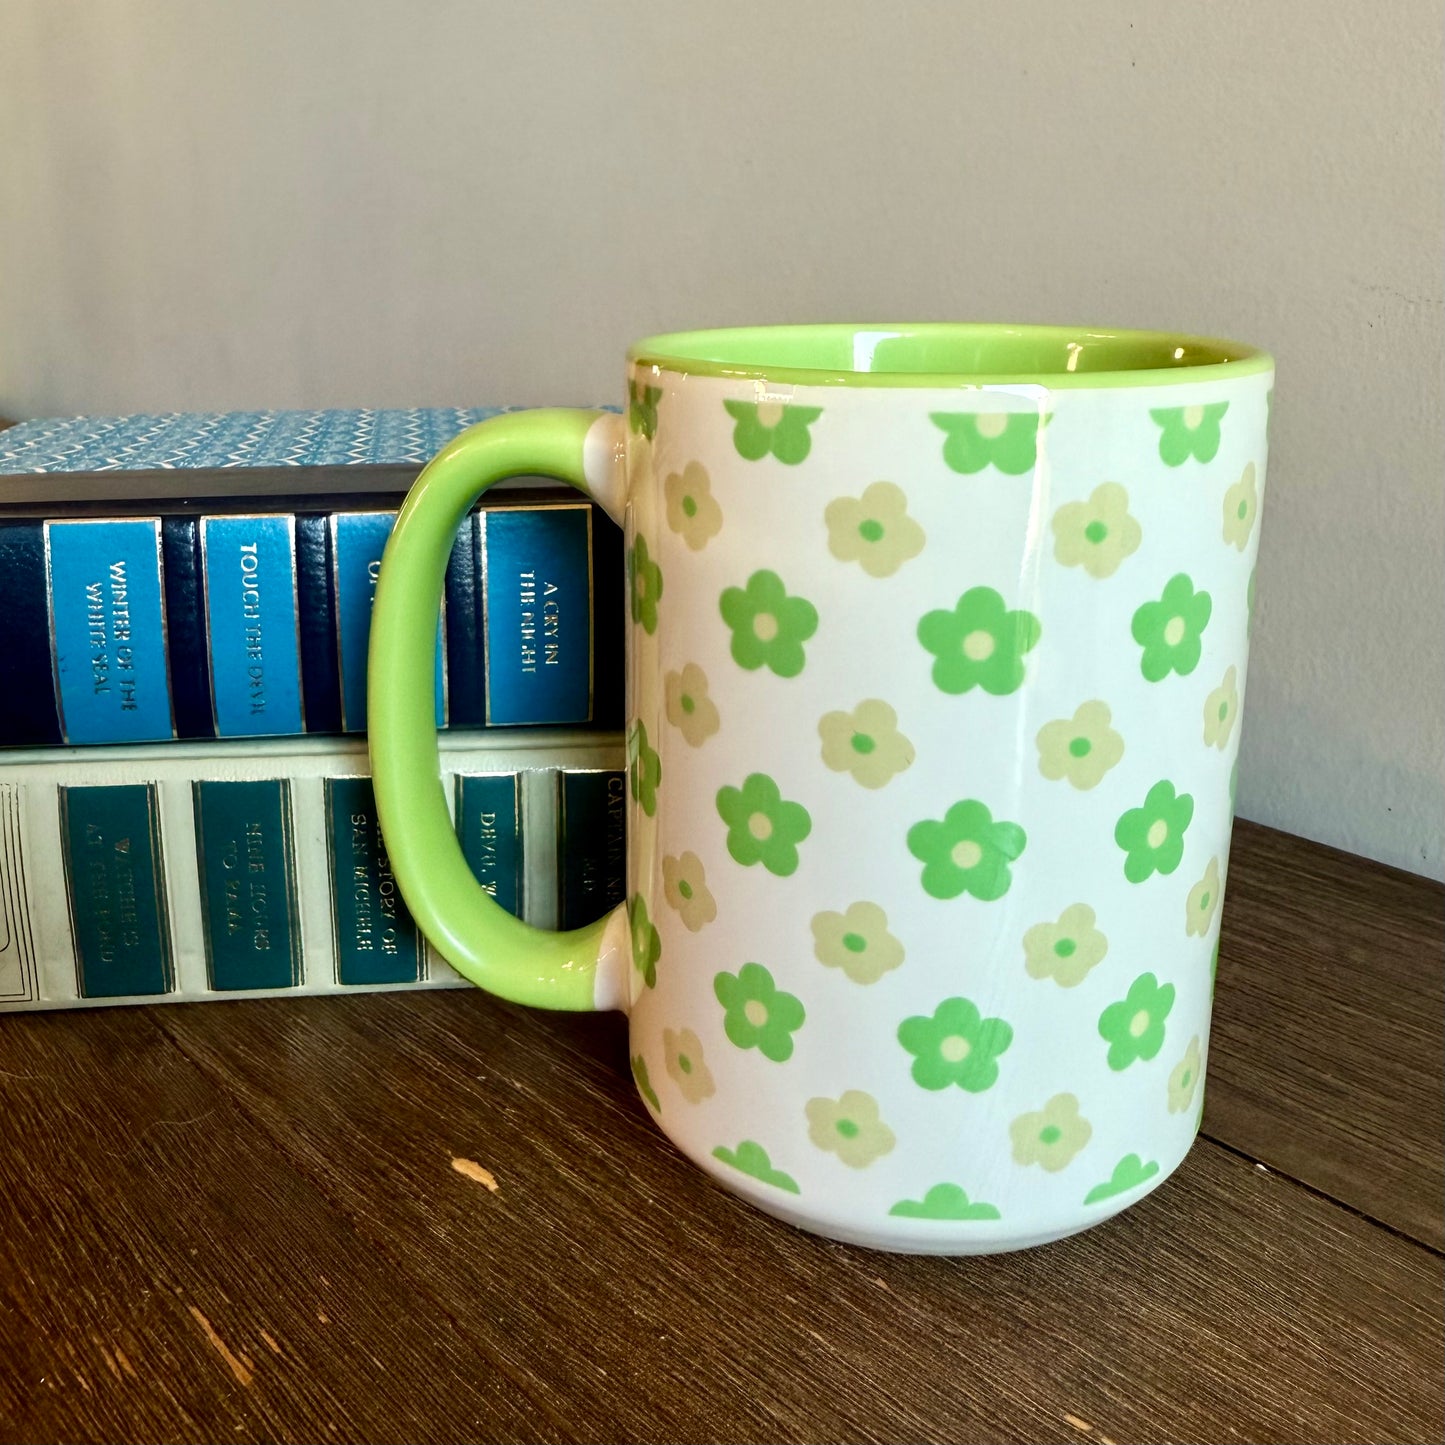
x,y
934,691
935,709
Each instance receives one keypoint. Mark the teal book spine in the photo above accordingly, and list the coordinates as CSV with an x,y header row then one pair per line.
x,y
245,862
115,883
591,843
375,937
489,825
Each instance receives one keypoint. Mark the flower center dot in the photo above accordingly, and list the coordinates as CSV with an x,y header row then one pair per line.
x,y
854,942
684,1063
761,827
755,1012
1096,532
847,1128
1158,832
1066,948
978,646
765,627
770,413
1243,511
991,424
870,530
1184,1079
955,1048
689,507
1081,747
862,743
686,703
641,583
1204,899
966,855
1050,1134
1174,631
1223,711
684,888
1138,1024
1193,415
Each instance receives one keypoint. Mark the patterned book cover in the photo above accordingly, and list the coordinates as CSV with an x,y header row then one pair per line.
x,y
78,458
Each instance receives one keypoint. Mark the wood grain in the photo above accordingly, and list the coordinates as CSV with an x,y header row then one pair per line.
x,y
650,1305
1329,1034
435,1217
166,1275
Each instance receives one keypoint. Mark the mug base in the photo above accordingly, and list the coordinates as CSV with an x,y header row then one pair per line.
x,y
941,1237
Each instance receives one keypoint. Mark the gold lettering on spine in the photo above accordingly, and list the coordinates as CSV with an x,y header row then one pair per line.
x,y
487,852
616,884
386,896
551,625
527,596
361,882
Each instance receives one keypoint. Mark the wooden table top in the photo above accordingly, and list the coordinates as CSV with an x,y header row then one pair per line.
x,y
431,1216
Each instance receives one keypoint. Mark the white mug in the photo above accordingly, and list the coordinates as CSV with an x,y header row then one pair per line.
x,y
937,644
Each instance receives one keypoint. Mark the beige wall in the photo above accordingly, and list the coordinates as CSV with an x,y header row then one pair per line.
x,y
341,202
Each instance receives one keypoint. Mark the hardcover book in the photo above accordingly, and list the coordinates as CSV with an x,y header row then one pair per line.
x,y
200,576
205,870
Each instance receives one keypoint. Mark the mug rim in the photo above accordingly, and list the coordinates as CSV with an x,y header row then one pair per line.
x,y
835,354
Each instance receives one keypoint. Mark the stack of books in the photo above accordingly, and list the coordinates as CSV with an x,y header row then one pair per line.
x,y
185,806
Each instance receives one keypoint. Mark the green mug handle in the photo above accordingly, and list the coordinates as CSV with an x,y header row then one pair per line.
x,y
480,939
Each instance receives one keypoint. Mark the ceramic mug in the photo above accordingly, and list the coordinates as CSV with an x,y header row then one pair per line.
x,y
936,650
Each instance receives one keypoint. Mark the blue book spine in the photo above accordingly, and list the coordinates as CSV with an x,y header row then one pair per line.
x,y
466,673
28,712
358,541
252,626
190,665
108,630
137,630
537,587
320,670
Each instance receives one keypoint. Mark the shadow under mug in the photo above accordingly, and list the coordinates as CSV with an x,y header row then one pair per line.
x,y
937,639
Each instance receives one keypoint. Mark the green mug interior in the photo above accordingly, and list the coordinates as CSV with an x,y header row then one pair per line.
x,y
947,354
